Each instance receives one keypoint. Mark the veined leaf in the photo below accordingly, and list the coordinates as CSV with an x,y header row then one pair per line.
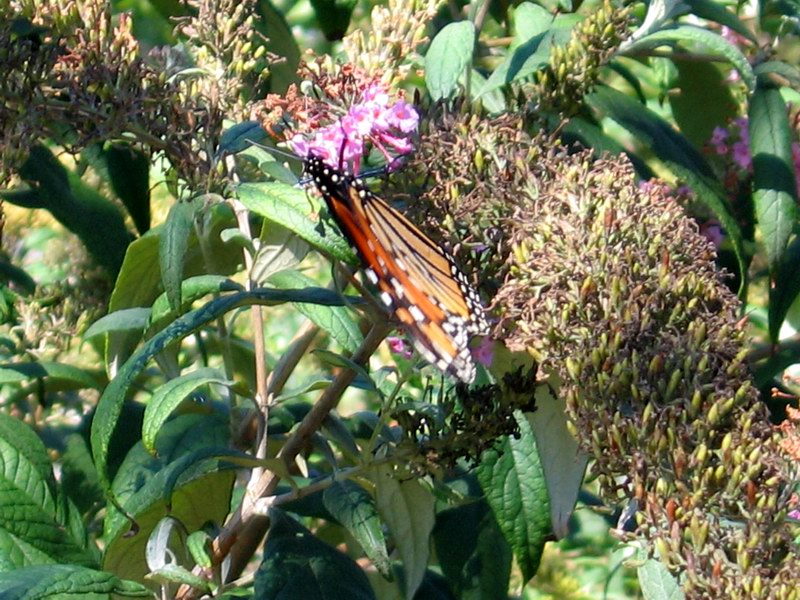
x,y
447,59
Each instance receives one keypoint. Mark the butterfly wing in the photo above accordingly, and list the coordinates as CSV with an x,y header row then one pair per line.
x,y
417,279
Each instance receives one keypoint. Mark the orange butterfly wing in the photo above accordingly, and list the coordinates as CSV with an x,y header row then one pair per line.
x,y
417,279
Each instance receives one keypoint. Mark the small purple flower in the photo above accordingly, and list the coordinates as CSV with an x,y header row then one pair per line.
x,y
399,346
719,136
712,231
484,353
741,154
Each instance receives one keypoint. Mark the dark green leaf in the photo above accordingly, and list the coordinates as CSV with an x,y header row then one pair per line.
x,y
189,479
448,57
281,42
96,221
474,556
240,137
716,12
172,247
66,581
786,287
333,16
712,41
354,508
701,84
513,480
298,565
774,184
129,172
562,462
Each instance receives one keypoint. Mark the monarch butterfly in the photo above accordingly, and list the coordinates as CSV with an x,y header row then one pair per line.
x,y
418,280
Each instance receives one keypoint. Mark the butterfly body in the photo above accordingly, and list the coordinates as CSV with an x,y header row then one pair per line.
x,y
418,280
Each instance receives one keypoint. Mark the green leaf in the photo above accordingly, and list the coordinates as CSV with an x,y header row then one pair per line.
x,y
172,247
281,42
448,57
66,581
333,16
95,220
513,480
407,508
530,20
716,12
336,320
240,137
786,287
56,376
78,476
189,480
110,404
296,564
31,525
474,556
280,249
774,182
192,290
710,40
129,171
562,462
657,582
701,84
354,508
291,208
129,319
169,396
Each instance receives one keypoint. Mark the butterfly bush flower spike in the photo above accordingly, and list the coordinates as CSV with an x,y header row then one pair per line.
x,y
372,121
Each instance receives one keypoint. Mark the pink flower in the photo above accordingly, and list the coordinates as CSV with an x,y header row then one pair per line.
x,y
371,120
712,231
719,136
484,353
741,154
399,346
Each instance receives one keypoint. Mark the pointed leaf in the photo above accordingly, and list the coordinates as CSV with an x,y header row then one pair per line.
x,y
169,396
354,508
172,247
129,172
407,508
130,319
291,208
774,182
786,287
66,581
562,462
296,564
710,40
474,556
513,480
448,57
336,320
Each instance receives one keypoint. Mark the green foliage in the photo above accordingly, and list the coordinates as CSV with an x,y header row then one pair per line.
x,y
192,380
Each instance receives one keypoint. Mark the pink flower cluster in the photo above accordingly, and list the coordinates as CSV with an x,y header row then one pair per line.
x,y
734,143
371,121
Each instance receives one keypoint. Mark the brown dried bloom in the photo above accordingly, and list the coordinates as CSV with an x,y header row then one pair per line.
x,y
609,284
78,79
